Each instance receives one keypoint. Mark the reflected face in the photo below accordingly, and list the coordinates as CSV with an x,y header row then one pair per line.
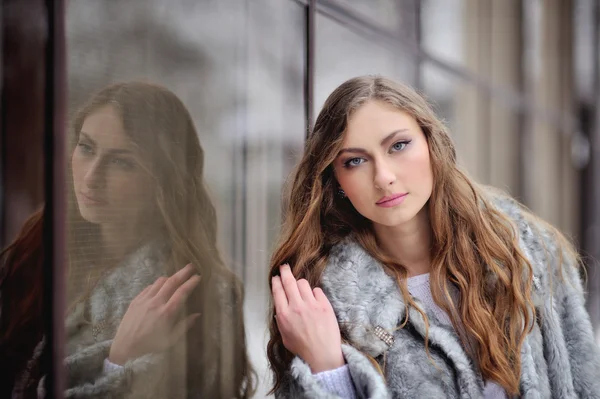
x,y
110,186
384,165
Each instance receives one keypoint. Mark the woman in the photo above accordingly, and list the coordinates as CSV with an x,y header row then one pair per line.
x,y
21,316
141,211
398,276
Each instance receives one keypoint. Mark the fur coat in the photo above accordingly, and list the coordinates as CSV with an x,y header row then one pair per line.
x,y
560,358
91,326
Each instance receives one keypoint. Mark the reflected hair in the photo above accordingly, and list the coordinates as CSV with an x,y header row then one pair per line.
x,y
470,238
161,128
21,302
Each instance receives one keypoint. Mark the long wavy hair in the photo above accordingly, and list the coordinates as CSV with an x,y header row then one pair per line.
x,y
21,302
161,128
470,239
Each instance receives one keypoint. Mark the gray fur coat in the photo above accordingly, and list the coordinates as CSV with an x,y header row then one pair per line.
x,y
560,358
91,326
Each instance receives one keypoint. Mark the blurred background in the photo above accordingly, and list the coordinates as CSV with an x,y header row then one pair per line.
x,y
517,81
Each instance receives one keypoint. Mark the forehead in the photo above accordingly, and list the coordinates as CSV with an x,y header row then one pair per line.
x,y
375,120
105,127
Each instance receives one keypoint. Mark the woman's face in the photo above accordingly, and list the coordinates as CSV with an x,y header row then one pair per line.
x,y
384,167
110,186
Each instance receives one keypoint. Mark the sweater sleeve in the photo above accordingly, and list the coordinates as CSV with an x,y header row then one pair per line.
x,y
88,376
110,366
338,382
300,382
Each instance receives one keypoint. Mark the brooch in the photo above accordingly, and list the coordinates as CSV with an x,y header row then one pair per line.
x,y
384,335
98,328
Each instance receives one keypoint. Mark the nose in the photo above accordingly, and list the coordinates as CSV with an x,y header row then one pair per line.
x,y
94,177
384,175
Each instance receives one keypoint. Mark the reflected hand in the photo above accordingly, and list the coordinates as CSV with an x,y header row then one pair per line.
x,y
151,322
306,321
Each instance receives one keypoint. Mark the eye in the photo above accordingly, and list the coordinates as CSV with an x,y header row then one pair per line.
x,y
400,145
85,148
122,163
353,162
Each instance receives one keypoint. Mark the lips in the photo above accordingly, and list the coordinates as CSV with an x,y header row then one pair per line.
x,y
392,200
90,199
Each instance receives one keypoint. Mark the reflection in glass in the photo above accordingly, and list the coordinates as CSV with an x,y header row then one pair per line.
x,y
273,131
238,67
388,13
139,211
22,341
342,54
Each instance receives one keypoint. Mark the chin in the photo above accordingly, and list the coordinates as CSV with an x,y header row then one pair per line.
x,y
395,222
397,219
93,215
90,216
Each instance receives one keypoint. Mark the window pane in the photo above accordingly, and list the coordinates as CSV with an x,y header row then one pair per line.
x,y
275,138
442,26
386,13
463,107
342,54
584,48
141,197
471,33
486,130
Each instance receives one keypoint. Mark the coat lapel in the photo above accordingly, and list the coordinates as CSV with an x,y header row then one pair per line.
x,y
363,297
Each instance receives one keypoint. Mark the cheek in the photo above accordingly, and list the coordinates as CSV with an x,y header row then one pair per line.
x,y
127,187
351,182
358,188
77,168
423,175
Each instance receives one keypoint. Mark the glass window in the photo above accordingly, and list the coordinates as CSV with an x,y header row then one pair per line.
x,y
386,13
186,119
583,49
442,29
341,54
465,110
486,130
275,125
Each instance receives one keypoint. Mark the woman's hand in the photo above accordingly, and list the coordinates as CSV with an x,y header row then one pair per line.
x,y
306,322
152,321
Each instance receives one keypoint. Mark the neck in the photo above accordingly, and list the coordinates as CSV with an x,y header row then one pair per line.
x,y
118,240
409,243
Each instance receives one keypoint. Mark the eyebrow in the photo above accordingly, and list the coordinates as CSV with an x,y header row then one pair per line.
x,y
383,143
116,151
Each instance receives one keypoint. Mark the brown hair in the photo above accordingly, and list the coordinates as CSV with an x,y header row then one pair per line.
x,y
160,126
468,235
21,302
